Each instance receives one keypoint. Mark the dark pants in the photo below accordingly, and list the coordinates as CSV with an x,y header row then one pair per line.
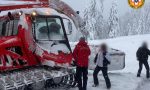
x,y
105,74
82,72
141,66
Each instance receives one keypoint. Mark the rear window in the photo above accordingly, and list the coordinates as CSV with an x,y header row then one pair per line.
x,y
9,28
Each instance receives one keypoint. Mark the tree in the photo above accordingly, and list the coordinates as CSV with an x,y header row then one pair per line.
x,y
93,17
113,21
137,21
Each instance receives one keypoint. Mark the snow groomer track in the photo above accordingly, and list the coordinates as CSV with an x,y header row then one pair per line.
x,y
37,78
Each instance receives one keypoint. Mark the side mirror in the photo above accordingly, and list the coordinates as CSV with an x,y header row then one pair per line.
x,y
78,12
68,26
33,19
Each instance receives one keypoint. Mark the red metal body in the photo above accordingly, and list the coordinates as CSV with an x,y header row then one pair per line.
x,y
30,54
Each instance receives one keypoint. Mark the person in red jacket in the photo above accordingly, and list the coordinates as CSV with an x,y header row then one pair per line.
x,y
81,54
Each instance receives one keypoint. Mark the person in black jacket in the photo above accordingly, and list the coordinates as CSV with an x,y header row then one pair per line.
x,y
102,60
142,56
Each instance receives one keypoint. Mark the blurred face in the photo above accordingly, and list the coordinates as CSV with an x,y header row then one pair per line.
x,y
145,44
104,47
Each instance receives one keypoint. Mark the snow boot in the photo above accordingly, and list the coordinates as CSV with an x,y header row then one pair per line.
x,y
95,85
147,77
138,75
108,88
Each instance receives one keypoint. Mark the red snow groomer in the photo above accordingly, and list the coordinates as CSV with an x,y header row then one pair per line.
x,y
35,53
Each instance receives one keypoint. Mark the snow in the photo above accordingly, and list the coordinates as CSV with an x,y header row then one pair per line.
x,y
118,80
48,46
145,85
124,79
23,22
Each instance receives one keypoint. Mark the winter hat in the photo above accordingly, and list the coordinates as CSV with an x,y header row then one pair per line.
x,y
82,39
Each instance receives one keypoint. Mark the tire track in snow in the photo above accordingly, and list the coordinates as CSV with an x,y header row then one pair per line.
x,y
144,85
119,81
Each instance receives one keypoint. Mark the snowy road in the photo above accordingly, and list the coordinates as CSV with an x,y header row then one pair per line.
x,y
145,85
120,81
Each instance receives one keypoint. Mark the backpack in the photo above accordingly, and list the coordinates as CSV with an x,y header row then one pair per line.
x,y
95,59
105,61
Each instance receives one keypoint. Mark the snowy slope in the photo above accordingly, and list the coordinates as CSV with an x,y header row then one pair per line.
x,y
125,79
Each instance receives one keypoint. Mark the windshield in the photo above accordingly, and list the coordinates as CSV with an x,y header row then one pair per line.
x,y
48,29
49,33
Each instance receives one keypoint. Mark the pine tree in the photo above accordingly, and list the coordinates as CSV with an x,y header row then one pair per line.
x,y
99,26
94,20
113,21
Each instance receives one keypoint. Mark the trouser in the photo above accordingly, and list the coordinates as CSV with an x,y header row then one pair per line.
x,y
82,77
105,74
141,66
